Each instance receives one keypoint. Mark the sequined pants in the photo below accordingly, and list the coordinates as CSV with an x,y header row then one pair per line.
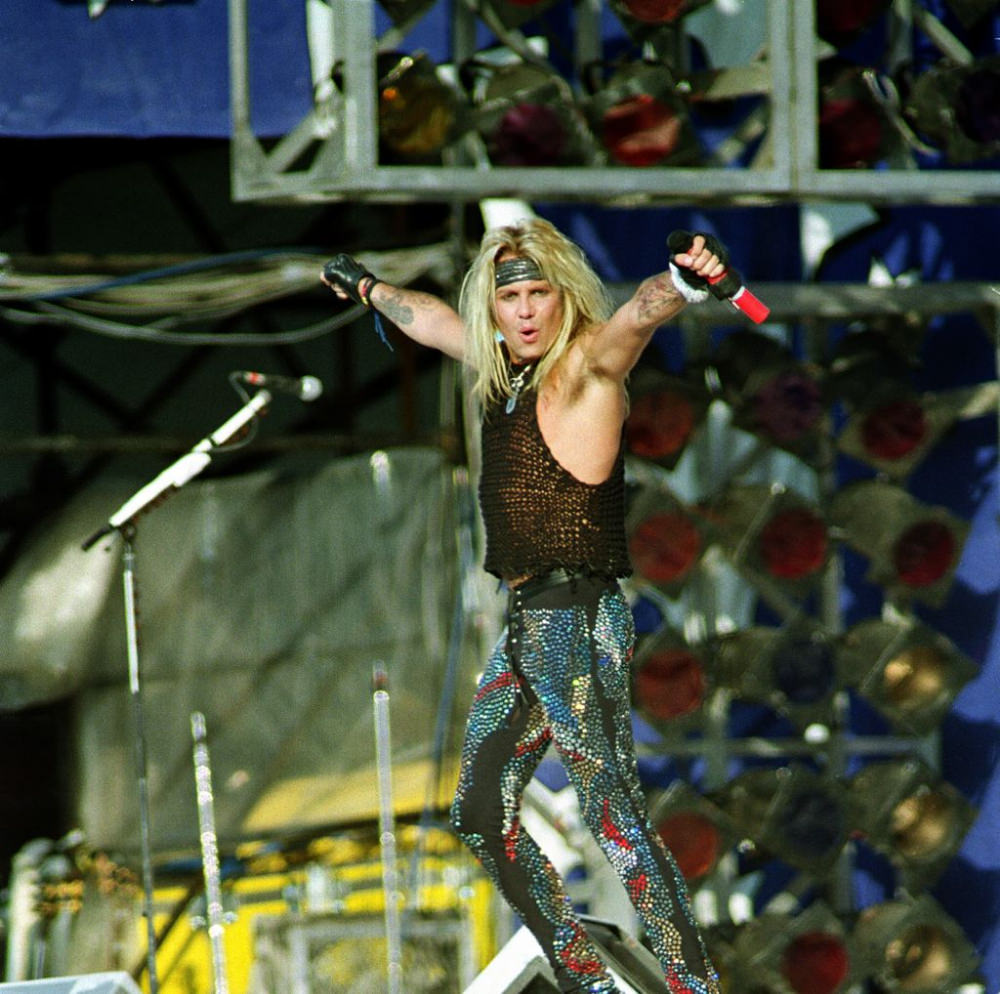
x,y
560,674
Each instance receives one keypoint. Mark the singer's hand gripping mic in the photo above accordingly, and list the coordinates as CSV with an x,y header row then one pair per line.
x,y
728,286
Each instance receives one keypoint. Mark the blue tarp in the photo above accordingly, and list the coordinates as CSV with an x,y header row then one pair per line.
x,y
145,70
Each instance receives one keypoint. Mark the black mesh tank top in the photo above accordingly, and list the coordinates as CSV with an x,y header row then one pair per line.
x,y
539,517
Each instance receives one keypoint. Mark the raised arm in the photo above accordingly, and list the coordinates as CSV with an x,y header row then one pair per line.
x,y
614,347
421,316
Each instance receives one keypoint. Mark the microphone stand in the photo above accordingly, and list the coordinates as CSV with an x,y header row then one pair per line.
x,y
215,917
387,831
123,521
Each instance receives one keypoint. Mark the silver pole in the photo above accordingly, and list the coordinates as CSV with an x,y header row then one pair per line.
x,y
214,916
141,762
387,837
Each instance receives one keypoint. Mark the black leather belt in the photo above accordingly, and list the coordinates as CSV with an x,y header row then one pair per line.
x,y
546,581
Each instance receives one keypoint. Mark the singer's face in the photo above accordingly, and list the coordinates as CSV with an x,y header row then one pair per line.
x,y
529,314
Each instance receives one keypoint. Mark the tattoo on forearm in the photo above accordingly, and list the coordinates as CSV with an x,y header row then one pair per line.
x,y
655,295
396,310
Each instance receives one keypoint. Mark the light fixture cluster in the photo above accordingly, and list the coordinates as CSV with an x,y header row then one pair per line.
x,y
905,945
524,99
792,816
514,112
932,100
858,403
908,673
823,726
898,86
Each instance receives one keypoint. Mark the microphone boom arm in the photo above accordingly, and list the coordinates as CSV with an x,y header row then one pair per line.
x,y
183,470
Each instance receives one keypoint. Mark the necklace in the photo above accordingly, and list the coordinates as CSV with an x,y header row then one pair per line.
x,y
517,385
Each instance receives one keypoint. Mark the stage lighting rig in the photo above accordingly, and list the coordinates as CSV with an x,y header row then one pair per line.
x,y
791,813
672,681
957,108
418,113
664,414
772,394
526,114
639,116
666,540
910,673
793,671
907,812
839,23
772,532
913,548
912,946
697,831
805,953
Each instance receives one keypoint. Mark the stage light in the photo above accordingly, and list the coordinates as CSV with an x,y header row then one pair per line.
x,y
911,946
816,963
892,434
910,673
664,414
640,119
957,108
793,671
806,953
791,813
841,21
894,428
852,132
418,113
672,680
654,23
665,541
771,531
907,812
695,830
526,114
913,548
656,11
875,363
772,394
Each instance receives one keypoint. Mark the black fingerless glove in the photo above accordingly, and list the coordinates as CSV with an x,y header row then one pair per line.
x,y
351,277
679,242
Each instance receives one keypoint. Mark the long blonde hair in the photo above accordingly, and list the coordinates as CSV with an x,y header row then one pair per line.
x,y
562,262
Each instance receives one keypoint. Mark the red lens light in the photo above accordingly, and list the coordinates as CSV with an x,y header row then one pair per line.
x,y
670,684
664,547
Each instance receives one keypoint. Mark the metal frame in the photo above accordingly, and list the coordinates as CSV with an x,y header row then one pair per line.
x,y
941,186
332,153
346,165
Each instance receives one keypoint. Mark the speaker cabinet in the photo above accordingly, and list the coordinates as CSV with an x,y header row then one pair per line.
x,y
90,983
521,967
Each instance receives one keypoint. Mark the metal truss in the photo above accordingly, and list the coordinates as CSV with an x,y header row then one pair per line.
x,y
333,152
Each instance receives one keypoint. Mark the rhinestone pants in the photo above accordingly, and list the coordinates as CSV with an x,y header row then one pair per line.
x,y
560,674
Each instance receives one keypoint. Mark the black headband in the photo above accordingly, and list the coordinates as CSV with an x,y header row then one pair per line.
x,y
515,270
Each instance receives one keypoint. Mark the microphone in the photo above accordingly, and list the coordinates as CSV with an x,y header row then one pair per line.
x,y
306,388
729,284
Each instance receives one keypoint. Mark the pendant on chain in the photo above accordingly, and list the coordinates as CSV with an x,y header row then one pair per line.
x,y
516,383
